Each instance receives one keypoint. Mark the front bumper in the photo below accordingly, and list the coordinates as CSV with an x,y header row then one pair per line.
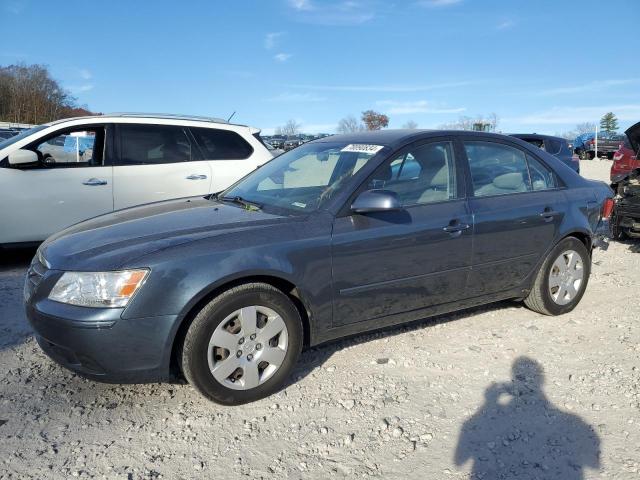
x,y
96,342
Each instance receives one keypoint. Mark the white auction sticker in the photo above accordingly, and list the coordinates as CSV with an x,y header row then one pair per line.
x,y
362,148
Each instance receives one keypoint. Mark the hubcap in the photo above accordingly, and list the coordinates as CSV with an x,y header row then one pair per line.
x,y
566,277
248,347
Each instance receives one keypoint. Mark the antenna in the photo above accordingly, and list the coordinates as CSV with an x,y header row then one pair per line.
x,y
229,119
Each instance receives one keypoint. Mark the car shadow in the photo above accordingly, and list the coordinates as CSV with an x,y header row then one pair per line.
x,y
314,357
519,433
14,328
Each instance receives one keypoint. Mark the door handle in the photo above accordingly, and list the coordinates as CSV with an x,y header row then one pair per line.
x,y
94,182
548,214
195,176
454,228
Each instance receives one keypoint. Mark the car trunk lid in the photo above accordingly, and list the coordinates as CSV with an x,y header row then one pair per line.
x,y
633,134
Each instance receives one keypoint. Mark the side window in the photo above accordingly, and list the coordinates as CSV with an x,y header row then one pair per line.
x,y
542,178
71,148
424,174
497,169
153,144
221,144
553,146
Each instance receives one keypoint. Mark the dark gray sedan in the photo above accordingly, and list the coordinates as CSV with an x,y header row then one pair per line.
x,y
339,236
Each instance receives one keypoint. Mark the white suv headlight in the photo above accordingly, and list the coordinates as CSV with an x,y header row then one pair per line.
x,y
98,289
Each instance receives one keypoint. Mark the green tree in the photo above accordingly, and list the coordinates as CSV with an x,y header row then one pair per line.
x,y
609,123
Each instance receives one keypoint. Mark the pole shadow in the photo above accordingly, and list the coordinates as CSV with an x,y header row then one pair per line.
x,y
519,433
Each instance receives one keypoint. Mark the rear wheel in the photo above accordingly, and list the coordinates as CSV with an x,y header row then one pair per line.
x,y
562,279
243,344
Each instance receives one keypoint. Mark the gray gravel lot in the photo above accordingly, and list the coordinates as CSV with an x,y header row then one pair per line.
x,y
492,392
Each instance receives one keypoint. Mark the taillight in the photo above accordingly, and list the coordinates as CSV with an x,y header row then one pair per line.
x,y
607,208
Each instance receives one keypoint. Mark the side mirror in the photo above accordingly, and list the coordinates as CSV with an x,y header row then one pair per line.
x,y
21,157
376,201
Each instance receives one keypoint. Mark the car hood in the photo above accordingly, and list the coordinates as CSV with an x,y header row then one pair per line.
x,y
633,134
111,241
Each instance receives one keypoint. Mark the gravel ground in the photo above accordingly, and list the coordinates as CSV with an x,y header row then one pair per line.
x,y
492,392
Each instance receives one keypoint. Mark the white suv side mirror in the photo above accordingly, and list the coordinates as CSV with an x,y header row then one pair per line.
x,y
20,157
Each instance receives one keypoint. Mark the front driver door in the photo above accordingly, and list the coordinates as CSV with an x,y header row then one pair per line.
x,y
392,262
71,182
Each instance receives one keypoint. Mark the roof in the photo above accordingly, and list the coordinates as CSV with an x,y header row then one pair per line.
x,y
397,137
535,135
162,116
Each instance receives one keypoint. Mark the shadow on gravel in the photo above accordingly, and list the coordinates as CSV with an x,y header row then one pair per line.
x,y
316,356
519,433
14,329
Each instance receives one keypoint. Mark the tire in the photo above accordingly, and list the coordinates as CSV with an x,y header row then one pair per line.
x,y
615,230
550,299
232,316
591,155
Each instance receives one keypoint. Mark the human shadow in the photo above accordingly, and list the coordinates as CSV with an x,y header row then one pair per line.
x,y
519,433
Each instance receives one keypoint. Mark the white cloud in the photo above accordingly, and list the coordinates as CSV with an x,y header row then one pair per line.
x,y
438,3
271,39
334,13
573,115
81,88
301,4
589,86
383,88
282,57
85,74
296,97
419,106
506,24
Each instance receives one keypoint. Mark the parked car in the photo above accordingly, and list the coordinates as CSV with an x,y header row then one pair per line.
x,y
6,133
625,220
556,146
321,242
624,160
608,144
292,143
58,174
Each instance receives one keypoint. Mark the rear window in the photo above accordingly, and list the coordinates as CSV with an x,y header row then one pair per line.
x,y
221,144
553,146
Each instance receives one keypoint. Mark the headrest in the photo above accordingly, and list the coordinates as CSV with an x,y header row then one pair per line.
x,y
508,181
441,178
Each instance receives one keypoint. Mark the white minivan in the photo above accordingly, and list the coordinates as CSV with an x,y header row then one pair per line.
x,y
63,172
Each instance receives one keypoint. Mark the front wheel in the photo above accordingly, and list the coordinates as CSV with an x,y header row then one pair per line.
x,y
562,279
243,344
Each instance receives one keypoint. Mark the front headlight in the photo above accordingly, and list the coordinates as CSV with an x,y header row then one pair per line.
x,y
98,289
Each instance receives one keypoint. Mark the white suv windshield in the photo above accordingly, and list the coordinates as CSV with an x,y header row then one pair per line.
x,y
305,178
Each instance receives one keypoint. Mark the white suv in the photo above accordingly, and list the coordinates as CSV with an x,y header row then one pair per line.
x,y
61,173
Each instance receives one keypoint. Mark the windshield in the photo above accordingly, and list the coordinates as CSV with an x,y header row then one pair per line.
x,y
20,136
304,179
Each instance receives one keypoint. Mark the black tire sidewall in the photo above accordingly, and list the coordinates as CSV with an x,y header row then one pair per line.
x,y
209,318
566,244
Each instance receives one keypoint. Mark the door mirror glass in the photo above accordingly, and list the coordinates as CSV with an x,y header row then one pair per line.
x,y
22,157
376,201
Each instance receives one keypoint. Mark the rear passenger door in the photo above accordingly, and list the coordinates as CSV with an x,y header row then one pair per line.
x,y
228,154
517,205
157,162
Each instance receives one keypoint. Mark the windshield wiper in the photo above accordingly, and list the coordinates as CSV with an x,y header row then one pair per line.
x,y
247,204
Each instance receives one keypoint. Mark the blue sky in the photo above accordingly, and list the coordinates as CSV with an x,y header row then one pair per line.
x,y
540,65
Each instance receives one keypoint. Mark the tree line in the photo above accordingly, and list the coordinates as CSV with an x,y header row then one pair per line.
x,y
29,94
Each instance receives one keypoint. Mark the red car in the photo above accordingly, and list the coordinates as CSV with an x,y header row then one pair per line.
x,y
624,160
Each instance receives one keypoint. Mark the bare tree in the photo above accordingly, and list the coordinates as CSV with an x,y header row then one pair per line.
x,y
28,94
410,125
586,127
374,120
290,128
481,122
349,124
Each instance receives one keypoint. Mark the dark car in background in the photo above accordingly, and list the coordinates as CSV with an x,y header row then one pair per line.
x,y
557,146
336,237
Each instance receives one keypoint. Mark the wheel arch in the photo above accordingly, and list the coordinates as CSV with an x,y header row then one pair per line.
x,y
283,284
